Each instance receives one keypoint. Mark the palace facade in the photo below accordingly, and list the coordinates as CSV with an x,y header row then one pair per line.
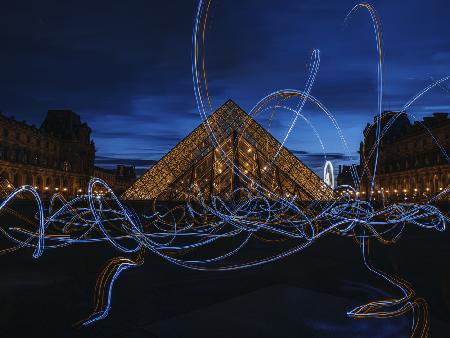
x,y
411,162
58,156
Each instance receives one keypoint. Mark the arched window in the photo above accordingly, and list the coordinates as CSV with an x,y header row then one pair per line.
x,y
39,182
66,184
66,166
435,183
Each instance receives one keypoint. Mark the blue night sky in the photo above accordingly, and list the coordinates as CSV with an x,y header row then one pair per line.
x,y
125,66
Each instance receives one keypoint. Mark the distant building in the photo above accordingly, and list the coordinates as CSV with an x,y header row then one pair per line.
x,y
345,176
410,164
57,157
119,179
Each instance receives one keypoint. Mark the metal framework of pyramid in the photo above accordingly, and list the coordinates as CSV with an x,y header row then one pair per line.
x,y
195,161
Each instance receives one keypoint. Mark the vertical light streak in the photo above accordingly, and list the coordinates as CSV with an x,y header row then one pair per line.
x,y
379,42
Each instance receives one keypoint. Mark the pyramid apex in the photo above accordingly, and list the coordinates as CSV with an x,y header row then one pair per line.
x,y
231,103
229,106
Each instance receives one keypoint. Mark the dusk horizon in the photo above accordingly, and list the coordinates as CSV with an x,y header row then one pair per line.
x,y
127,71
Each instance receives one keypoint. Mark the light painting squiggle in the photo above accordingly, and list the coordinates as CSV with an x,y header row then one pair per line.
x,y
179,234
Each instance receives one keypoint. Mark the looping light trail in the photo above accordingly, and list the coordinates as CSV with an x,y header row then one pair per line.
x,y
179,237
185,234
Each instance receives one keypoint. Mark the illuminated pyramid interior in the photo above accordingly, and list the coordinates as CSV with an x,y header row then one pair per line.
x,y
249,148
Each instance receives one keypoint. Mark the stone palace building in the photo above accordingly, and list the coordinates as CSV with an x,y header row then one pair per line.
x,y
56,157
411,164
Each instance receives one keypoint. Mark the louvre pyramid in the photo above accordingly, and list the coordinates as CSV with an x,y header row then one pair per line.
x,y
195,161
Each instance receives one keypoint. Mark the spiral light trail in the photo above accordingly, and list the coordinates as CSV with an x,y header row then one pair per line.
x,y
177,234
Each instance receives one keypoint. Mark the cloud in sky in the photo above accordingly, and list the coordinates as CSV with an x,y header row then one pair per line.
x,y
125,67
315,161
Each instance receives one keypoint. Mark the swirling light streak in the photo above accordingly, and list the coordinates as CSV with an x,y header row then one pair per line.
x,y
176,233
376,21
304,118
314,66
294,93
328,174
256,215
202,95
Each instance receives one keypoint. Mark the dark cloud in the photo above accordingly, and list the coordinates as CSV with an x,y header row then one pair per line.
x,y
125,67
141,165
103,160
316,161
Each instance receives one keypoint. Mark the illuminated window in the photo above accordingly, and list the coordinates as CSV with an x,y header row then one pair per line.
x,y
66,166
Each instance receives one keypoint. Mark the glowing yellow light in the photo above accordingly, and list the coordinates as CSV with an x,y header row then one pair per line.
x,y
249,150
46,188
